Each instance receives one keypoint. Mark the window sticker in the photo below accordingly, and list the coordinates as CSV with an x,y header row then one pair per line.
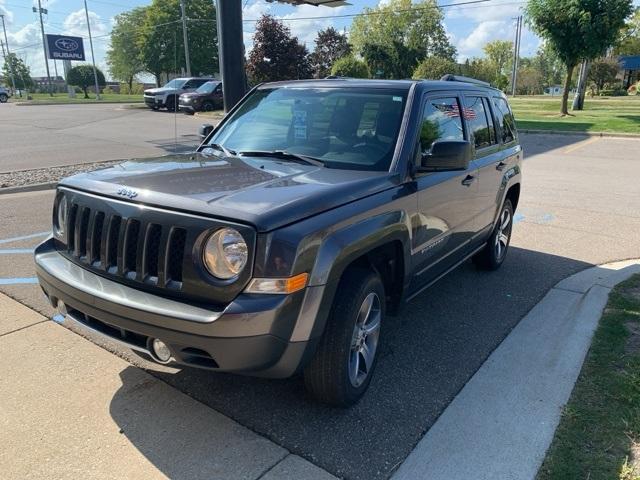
x,y
300,124
397,99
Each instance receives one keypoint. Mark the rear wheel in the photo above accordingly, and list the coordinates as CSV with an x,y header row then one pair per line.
x,y
343,365
495,251
207,106
3,98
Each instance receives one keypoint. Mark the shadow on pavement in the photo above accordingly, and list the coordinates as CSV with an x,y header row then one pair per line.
x,y
429,352
534,143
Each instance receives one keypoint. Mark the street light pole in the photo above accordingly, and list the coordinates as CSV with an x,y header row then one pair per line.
x,y
8,55
93,58
516,55
186,41
44,47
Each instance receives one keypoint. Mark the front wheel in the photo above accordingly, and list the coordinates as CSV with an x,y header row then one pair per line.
x,y
3,98
343,365
495,251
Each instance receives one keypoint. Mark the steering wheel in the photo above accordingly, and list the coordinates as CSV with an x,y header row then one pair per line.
x,y
372,146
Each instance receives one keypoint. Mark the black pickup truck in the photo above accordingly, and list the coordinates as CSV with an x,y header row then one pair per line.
x,y
309,215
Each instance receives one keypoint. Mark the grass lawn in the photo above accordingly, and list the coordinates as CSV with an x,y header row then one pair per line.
x,y
44,98
609,114
599,433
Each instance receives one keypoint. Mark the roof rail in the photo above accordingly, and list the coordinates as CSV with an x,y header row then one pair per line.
x,y
460,78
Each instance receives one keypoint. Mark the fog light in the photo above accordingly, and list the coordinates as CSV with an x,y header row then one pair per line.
x,y
160,350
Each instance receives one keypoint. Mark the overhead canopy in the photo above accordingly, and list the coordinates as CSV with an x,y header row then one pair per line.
x,y
315,3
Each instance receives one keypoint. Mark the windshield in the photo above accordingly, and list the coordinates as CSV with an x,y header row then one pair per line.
x,y
207,87
175,83
348,128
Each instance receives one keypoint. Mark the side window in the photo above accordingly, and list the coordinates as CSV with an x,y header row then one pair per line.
x,y
440,121
505,119
198,82
492,128
474,113
218,89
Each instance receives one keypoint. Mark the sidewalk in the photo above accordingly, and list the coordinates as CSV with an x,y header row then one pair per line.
x,y
502,422
69,410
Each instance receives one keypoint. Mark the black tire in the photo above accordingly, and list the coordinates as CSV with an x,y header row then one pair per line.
x,y
155,108
3,98
207,106
171,103
327,377
492,255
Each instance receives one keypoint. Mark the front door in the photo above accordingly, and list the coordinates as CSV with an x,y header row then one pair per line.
x,y
446,209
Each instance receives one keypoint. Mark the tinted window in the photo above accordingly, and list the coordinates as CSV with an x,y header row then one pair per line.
x,y
342,127
476,117
440,121
492,128
505,120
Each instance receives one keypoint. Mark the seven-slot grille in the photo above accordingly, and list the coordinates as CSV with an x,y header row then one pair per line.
x,y
127,247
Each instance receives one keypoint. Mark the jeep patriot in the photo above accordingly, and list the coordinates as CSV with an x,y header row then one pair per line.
x,y
313,211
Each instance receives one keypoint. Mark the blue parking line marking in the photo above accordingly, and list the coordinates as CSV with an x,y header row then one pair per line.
x,y
24,237
58,318
15,251
518,217
19,281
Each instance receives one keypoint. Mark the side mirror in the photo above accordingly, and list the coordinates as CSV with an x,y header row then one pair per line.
x,y
447,155
205,130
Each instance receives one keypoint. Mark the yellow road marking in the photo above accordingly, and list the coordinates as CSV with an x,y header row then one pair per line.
x,y
578,145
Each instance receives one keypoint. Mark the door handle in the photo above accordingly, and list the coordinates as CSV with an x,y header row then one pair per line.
x,y
468,180
500,166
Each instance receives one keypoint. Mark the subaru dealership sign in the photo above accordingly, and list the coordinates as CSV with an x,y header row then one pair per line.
x,y
63,47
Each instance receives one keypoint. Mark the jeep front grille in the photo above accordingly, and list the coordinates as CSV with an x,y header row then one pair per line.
x,y
144,252
149,248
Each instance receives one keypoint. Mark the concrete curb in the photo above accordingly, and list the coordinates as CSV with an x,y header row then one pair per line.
x,y
502,422
581,134
88,102
34,187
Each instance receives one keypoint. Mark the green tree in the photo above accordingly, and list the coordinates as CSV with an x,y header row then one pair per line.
x,y
629,41
160,39
276,55
401,32
21,72
479,68
603,71
434,68
349,66
82,76
500,54
551,68
330,46
577,30
123,57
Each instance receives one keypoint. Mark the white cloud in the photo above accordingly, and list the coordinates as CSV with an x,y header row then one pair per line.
x,y
8,14
483,33
76,24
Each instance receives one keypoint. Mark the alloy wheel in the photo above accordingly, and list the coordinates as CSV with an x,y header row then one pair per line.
x,y
364,341
503,233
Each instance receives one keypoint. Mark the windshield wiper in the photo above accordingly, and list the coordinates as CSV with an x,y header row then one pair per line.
x,y
222,148
284,155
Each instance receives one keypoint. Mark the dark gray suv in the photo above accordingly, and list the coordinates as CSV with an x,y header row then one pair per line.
x,y
304,220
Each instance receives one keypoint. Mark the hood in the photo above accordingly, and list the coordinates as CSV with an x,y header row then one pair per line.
x,y
155,91
265,193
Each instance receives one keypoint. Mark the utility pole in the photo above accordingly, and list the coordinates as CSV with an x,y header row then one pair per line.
x,y
8,55
93,58
44,46
186,41
516,55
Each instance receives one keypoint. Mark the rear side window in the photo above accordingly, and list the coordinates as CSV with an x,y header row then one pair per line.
x,y
478,120
505,119
440,121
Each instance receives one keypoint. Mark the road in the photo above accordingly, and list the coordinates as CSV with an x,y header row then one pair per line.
x,y
51,135
580,206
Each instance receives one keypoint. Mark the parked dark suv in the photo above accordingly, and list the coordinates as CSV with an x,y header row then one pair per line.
x,y
310,213
206,98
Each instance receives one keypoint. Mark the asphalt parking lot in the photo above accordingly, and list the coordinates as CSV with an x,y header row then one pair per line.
x,y
52,135
580,206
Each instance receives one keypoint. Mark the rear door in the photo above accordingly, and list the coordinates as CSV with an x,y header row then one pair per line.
x,y
445,215
488,156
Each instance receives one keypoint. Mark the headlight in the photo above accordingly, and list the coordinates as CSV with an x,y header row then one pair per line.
x,y
225,253
61,216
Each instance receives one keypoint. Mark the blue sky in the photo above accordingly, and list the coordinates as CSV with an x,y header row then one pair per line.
x,y
469,26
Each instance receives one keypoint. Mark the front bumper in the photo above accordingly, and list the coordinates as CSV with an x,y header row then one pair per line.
x,y
153,101
187,107
252,335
